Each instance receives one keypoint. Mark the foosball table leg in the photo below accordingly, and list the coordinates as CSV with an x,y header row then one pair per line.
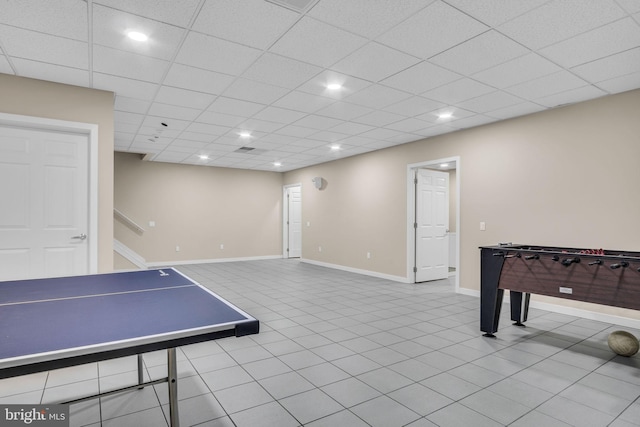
x,y
519,307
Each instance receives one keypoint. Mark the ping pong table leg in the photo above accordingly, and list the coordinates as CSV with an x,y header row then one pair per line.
x,y
140,373
172,381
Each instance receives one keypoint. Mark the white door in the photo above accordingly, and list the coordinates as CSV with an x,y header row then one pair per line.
x,y
44,191
432,225
294,222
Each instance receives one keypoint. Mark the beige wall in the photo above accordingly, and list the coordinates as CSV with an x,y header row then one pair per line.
x,y
564,177
29,97
197,208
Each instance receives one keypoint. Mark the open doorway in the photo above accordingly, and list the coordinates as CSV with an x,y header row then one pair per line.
x,y
432,222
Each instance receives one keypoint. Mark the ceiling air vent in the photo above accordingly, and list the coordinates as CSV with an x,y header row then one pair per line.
x,y
299,6
250,150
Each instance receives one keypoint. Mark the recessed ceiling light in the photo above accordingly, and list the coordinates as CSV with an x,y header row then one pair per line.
x,y
137,36
203,157
335,147
277,164
245,134
334,86
444,165
445,115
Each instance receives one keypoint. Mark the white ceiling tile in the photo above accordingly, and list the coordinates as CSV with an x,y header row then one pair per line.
x,y
468,122
381,14
489,102
50,72
214,54
379,118
188,144
595,44
559,20
610,67
235,107
516,71
128,118
131,105
125,87
254,23
317,43
176,12
126,64
350,128
420,78
292,148
380,134
521,109
377,96
281,71
250,90
428,32
344,111
484,51
571,96
41,47
275,138
207,129
110,28
375,62
63,18
5,68
547,85
435,130
302,101
328,136
413,106
215,118
194,137
296,131
457,113
621,84
183,97
631,6
318,85
495,12
408,125
357,141
318,122
260,125
122,127
458,91
279,115
186,77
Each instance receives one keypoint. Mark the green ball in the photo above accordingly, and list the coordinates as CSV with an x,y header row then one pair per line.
x,y
623,343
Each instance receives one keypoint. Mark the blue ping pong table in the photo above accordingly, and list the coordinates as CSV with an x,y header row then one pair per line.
x,y
59,322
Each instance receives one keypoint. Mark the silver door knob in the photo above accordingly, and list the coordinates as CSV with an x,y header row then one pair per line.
x,y
80,237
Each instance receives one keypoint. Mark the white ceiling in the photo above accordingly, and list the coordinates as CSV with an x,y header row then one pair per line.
x,y
214,68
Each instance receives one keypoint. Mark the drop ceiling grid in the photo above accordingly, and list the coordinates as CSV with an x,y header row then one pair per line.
x,y
213,69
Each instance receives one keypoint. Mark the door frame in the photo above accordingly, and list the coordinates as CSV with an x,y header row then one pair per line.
x,y
411,208
285,217
89,130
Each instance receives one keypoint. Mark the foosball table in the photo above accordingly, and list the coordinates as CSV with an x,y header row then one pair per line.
x,y
597,276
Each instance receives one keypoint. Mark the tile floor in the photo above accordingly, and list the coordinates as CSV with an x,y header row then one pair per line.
x,y
342,349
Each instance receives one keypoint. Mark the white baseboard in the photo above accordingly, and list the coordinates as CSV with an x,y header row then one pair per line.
x,y
570,311
130,255
209,261
357,270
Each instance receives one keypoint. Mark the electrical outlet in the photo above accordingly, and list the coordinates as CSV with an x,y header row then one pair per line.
x,y
368,255
221,246
177,248
319,248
